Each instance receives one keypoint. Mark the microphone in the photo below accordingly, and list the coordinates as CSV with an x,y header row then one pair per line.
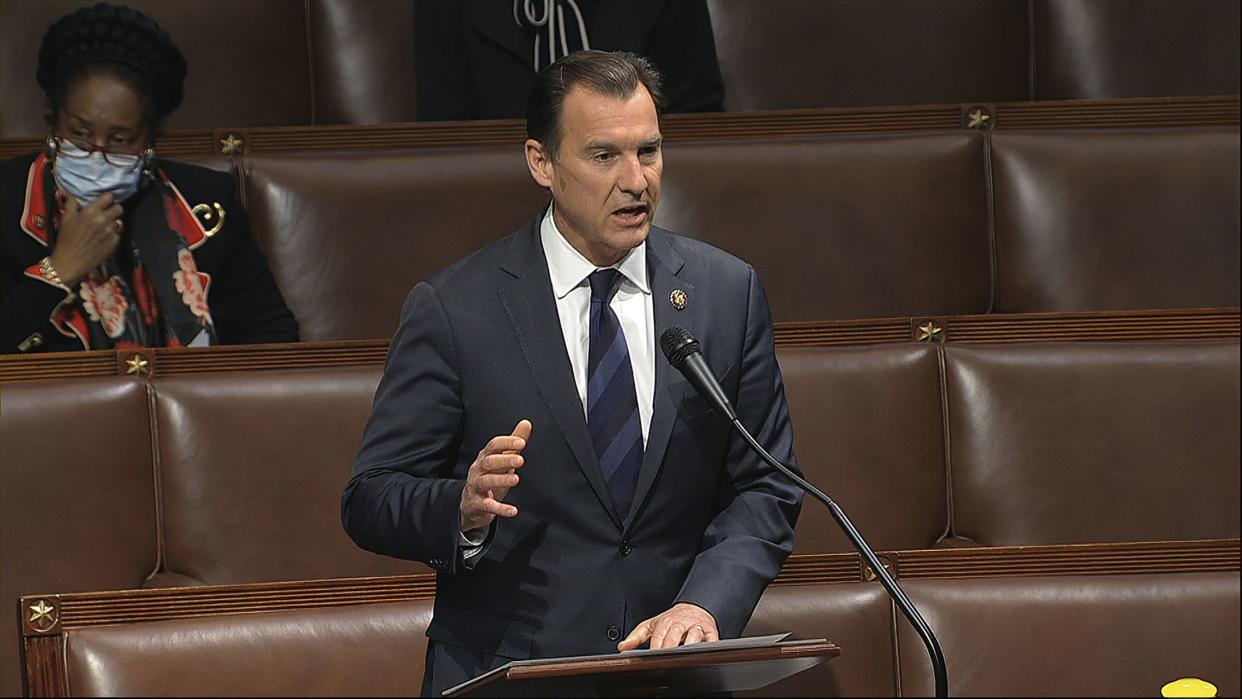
x,y
685,354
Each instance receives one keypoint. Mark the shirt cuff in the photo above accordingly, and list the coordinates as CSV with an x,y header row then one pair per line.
x,y
471,542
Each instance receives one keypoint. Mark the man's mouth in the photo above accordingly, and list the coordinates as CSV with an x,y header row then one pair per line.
x,y
631,213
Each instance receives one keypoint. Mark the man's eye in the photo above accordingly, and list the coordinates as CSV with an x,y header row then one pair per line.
x,y
648,152
603,157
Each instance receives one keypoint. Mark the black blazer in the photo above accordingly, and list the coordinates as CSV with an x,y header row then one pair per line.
x,y
473,61
480,347
246,305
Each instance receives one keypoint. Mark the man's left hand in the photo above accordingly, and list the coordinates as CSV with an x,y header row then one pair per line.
x,y
683,624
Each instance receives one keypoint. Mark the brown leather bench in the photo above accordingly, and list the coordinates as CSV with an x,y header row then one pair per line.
x,y
77,494
349,233
1124,218
1062,443
248,466
936,223
1016,633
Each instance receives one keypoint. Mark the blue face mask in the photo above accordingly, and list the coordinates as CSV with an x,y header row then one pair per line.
x,y
87,176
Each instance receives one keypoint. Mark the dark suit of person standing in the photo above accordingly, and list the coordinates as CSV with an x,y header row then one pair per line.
x,y
535,557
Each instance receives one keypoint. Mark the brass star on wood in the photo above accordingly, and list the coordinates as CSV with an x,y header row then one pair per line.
x,y
231,145
929,332
42,615
979,119
138,365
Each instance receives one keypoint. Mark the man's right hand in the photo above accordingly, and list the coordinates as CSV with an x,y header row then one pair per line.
x,y
490,477
86,237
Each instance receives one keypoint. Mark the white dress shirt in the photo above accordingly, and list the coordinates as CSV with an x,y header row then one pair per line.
x,y
570,270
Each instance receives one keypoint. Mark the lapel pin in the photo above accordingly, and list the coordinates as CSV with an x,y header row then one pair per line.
x,y
678,299
39,221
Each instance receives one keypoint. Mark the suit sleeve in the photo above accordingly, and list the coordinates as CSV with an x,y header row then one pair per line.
x,y
745,545
402,499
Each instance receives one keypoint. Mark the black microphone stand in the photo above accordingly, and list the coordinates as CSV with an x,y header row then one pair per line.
x,y
894,590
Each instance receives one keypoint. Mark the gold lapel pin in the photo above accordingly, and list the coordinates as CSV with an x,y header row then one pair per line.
x,y
678,299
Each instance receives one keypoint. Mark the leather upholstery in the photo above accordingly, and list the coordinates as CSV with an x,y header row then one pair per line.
x,y
223,42
76,454
1096,220
349,234
1016,636
1092,49
868,431
360,650
857,617
781,54
362,60
1074,636
251,472
1094,442
817,218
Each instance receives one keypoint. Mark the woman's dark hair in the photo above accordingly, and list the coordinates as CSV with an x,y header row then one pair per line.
x,y
116,41
615,74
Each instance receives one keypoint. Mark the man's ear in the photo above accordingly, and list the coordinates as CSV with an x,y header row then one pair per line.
x,y
539,162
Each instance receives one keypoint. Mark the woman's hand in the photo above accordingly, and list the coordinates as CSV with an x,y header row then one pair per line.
x,y
86,237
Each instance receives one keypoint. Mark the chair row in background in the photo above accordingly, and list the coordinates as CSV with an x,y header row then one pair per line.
x,y
839,226
339,61
1059,621
230,478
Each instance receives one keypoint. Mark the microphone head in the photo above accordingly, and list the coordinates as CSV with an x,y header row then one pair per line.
x,y
678,344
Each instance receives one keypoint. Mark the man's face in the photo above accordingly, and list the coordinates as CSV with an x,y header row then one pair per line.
x,y
605,178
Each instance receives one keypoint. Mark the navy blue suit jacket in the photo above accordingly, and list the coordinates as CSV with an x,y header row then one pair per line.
x,y
479,348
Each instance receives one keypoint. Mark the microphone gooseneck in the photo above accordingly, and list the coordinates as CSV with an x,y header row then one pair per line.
x,y
686,355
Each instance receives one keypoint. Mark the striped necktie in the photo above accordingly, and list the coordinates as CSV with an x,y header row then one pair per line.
x,y
612,404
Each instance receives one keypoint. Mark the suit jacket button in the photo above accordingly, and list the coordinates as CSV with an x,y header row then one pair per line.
x,y
614,634
625,547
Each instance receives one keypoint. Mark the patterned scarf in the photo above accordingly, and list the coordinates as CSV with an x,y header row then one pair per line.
x,y
150,293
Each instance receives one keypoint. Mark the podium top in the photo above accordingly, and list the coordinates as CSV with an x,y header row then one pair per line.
x,y
725,666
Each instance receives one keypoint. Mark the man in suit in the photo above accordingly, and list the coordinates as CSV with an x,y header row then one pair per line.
x,y
573,492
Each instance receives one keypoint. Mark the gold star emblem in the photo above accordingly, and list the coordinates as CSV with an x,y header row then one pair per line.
x,y
231,145
137,365
42,615
678,298
979,119
930,332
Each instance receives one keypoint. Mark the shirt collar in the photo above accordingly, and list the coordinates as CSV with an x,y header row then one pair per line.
x,y
568,268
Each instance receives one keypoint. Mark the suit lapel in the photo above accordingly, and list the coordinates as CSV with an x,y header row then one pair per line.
x,y
664,264
531,308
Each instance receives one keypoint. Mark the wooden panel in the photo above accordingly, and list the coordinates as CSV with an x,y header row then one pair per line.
x,y
45,667
1111,326
1116,113
78,610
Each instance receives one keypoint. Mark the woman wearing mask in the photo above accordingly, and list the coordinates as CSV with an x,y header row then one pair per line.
x,y
107,246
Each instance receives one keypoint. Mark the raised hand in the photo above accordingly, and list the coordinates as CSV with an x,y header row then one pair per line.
x,y
86,237
491,476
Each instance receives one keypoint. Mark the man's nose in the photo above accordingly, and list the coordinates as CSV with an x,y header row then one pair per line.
x,y
633,179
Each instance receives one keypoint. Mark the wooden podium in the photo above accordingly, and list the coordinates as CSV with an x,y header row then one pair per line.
x,y
701,669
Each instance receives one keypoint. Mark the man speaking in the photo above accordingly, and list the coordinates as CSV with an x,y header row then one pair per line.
x,y
572,491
